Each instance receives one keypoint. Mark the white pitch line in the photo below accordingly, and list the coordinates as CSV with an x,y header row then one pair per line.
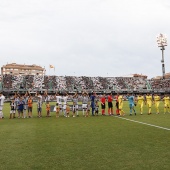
x,y
144,123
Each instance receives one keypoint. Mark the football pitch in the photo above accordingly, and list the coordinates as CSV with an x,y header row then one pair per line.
x,y
140,142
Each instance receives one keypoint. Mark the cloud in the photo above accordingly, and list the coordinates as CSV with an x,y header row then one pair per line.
x,y
89,37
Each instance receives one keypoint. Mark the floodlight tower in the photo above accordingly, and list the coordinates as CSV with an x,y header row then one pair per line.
x,y
162,42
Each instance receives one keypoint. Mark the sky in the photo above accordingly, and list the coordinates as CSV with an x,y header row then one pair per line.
x,y
85,37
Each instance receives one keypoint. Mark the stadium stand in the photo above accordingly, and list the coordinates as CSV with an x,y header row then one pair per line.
x,y
73,83
160,84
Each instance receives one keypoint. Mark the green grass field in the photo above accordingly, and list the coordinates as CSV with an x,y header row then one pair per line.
x,y
93,143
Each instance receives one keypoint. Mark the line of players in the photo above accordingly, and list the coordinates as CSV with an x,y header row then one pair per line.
x,y
24,104
149,100
92,102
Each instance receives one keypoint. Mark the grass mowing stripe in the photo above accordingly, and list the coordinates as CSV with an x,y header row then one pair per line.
x,y
143,123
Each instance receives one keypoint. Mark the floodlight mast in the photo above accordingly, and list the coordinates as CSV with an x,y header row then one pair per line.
x,y
162,42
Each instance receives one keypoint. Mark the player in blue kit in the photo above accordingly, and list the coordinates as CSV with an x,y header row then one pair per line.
x,y
131,101
92,98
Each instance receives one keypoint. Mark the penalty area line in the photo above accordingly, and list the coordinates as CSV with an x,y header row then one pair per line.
x,y
143,123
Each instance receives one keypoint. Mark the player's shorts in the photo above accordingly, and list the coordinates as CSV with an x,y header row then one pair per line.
x,y
96,110
1,107
166,105
149,104
110,105
75,107
60,106
39,109
117,105
20,110
84,106
131,105
103,106
12,111
157,104
141,105
25,107
120,105
92,105
29,109
64,106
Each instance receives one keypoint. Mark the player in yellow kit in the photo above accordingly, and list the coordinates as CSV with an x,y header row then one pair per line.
x,y
120,100
149,103
166,103
140,102
156,98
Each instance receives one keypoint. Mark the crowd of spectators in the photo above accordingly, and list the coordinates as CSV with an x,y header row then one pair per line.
x,y
159,84
73,83
7,81
61,83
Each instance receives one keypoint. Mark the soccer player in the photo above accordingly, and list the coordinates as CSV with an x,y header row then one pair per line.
x,y
65,97
20,107
103,106
25,104
131,100
110,104
120,100
74,109
148,102
16,99
12,111
92,98
166,103
140,102
117,104
2,98
59,101
96,108
156,98
75,103
39,107
85,100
